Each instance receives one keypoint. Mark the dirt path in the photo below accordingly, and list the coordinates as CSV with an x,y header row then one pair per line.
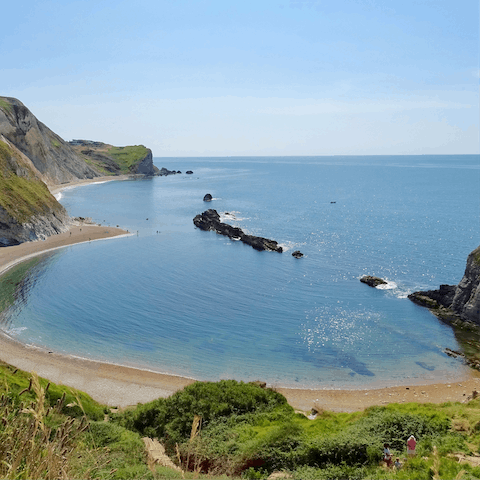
x,y
156,455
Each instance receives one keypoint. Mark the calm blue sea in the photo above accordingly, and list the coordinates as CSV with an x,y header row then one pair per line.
x,y
175,299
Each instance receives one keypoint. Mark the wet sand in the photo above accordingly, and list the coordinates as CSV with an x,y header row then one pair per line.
x,y
121,386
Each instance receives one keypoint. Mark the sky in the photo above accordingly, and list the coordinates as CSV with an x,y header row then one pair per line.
x,y
244,77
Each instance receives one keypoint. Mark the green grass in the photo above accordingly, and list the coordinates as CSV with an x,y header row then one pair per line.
x,y
128,157
13,381
5,106
255,442
22,197
250,432
49,436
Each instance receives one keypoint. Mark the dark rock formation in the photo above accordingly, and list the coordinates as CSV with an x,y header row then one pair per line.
x,y
188,172
297,254
456,302
163,172
207,198
145,166
210,220
372,281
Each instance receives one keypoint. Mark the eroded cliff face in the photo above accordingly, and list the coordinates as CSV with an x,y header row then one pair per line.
x,y
28,211
145,166
55,159
456,302
466,301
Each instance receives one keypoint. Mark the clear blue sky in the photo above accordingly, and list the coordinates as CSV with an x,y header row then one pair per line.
x,y
244,77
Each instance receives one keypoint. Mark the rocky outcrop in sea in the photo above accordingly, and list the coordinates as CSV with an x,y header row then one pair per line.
x,y
456,302
372,281
210,220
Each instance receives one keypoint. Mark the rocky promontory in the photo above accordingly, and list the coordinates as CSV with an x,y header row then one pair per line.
x,y
456,302
111,160
210,220
33,157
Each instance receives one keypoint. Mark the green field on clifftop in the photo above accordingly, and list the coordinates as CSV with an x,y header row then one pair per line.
x,y
127,157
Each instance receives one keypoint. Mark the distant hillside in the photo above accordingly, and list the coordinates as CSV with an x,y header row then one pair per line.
x,y
32,157
111,160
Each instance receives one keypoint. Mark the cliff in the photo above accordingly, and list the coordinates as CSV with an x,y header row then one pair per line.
x,y
456,302
28,211
110,160
32,157
55,160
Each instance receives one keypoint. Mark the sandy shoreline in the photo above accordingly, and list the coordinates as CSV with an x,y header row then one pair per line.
x,y
54,189
117,385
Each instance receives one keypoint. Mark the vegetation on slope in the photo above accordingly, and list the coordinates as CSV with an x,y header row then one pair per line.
x,y
256,438
228,427
52,431
22,196
5,106
128,157
108,159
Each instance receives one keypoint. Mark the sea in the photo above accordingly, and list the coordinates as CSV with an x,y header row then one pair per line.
x,y
175,299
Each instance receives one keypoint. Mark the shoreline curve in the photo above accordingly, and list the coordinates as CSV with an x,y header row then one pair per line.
x,y
121,386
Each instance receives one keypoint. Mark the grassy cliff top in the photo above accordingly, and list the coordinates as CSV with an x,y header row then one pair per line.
x,y
21,196
126,157
108,159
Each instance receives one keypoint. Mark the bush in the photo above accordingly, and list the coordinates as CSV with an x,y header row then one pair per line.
x,y
394,427
171,418
345,448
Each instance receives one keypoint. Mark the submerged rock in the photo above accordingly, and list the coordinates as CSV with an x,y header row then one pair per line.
x,y
207,198
210,220
188,172
297,254
372,281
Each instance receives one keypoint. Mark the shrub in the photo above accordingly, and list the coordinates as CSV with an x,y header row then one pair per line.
x,y
171,418
394,427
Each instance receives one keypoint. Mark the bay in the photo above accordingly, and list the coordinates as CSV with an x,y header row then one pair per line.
x,y
175,299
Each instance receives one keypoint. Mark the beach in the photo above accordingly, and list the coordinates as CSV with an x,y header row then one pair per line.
x,y
122,386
